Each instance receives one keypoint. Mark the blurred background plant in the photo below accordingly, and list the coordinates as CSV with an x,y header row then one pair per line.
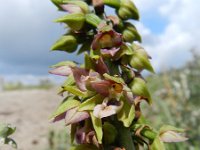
x,y
177,99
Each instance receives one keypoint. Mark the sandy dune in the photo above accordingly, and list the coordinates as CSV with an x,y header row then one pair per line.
x,y
29,111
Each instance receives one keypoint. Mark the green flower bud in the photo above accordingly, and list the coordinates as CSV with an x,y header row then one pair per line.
x,y
128,10
130,33
140,60
93,19
74,21
139,88
66,43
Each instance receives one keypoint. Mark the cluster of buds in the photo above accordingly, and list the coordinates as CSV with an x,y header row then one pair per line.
x,y
104,94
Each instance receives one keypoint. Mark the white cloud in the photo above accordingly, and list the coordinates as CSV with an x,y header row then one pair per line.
x,y
171,47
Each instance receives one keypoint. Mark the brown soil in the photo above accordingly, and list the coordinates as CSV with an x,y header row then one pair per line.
x,y
29,110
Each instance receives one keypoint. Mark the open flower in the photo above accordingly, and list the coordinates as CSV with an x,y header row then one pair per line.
x,y
107,108
107,40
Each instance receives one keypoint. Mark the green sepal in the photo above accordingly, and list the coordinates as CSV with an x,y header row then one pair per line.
x,y
97,124
109,133
67,103
127,113
93,19
139,88
75,21
113,78
66,43
74,90
90,103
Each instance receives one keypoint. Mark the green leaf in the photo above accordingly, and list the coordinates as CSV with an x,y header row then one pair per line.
x,y
113,78
74,90
127,113
75,21
11,142
157,144
67,104
110,133
66,43
6,130
97,124
93,19
64,63
139,88
90,103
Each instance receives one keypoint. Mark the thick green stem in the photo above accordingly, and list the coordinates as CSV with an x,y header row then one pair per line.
x,y
125,138
151,135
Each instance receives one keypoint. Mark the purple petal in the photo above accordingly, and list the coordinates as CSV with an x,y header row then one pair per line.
x,y
80,136
73,116
104,110
78,73
172,136
110,52
71,8
102,87
101,66
62,71
59,117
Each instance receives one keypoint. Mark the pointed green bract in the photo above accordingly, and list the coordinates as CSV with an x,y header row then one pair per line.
x,y
89,63
67,104
66,43
97,124
126,114
90,103
74,90
113,78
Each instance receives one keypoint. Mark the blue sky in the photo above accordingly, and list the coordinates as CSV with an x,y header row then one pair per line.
x,y
169,29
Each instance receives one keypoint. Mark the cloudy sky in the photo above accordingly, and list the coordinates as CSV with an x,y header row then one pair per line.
x,y
169,29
